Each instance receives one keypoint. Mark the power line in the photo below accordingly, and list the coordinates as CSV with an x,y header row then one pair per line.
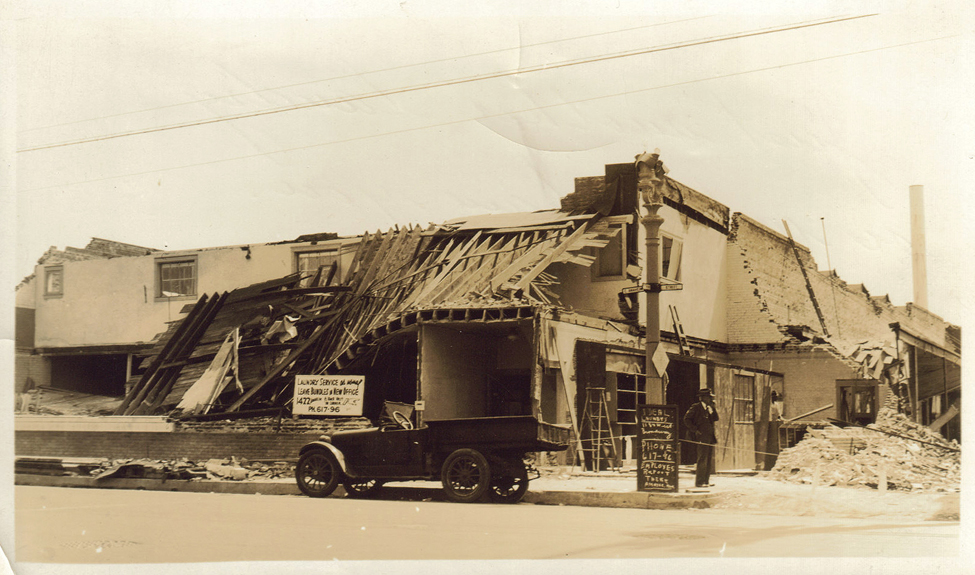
x,y
455,122
360,74
453,82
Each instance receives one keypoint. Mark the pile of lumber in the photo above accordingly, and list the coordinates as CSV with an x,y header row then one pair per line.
x,y
893,453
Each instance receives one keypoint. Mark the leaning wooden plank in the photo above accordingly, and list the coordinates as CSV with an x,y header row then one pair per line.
x,y
377,262
460,284
451,263
281,366
162,357
470,267
554,253
185,349
520,262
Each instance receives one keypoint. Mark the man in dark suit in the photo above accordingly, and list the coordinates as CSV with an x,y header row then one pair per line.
x,y
699,420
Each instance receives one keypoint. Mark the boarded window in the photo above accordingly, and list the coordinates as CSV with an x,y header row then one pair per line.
x,y
308,263
744,398
176,278
54,281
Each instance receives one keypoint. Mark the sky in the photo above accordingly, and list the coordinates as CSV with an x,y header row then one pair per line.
x,y
777,113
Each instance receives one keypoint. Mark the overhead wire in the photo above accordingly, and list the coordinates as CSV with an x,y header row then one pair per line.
x,y
455,81
490,116
367,73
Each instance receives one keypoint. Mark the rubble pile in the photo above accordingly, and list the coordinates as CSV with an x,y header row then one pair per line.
x,y
921,460
214,469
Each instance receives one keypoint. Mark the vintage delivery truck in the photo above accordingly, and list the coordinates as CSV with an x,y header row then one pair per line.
x,y
471,457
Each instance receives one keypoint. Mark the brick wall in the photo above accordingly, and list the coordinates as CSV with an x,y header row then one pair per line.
x,y
809,380
748,316
36,367
194,446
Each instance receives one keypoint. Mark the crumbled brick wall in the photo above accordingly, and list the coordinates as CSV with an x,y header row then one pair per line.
x,y
779,292
160,445
748,318
587,191
116,249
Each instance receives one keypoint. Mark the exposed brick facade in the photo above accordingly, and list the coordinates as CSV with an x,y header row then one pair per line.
x,y
160,445
762,262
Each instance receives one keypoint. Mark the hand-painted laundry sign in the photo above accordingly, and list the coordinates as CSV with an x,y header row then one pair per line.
x,y
328,394
658,452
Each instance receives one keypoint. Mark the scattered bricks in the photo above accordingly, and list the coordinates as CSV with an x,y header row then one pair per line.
x,y
872,458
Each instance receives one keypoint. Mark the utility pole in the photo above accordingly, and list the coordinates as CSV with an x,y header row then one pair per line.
x,y
650,173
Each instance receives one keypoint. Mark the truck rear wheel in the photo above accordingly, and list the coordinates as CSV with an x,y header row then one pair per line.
x,y
465,475
510,485
317,473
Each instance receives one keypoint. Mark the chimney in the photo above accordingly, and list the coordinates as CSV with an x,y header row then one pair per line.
x,y
918,259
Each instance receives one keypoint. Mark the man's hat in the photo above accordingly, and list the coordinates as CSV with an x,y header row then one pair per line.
x,y
705,392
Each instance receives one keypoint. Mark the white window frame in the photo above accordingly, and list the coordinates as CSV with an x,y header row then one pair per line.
x,y
158,265
298,253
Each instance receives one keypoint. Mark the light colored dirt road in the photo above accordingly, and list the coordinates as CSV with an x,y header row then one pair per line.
x,y
115,526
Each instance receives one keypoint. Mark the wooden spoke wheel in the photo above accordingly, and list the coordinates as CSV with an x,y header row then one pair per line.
x,y
465,475
317,473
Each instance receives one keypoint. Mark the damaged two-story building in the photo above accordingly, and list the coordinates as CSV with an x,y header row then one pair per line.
x,y
539,313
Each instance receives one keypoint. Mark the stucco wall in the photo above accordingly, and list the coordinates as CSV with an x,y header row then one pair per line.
x,y
701,302
112,301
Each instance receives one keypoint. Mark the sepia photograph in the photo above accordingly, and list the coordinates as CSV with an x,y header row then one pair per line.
x,y
361,287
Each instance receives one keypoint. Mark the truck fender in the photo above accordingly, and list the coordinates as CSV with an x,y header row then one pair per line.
x,y
328,447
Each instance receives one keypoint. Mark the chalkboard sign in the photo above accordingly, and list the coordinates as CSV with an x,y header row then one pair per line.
x,y
659,448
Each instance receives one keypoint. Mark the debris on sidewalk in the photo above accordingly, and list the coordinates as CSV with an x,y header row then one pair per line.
x,y
920,460
231,469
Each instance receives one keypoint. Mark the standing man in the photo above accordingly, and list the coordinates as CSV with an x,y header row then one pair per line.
x,y
700,419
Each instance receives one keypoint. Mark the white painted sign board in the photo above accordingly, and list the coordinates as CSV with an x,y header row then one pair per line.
x,y
328,394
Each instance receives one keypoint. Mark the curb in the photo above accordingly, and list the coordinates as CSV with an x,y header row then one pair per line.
x,y
630,500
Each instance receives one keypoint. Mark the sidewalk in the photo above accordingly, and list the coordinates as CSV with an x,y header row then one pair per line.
x,y
556,486
738,492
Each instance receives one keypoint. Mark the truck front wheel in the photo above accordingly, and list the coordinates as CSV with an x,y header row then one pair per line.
x,y
465,475
317,473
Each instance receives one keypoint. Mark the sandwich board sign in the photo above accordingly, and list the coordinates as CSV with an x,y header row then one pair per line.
x,y
658,453
328,394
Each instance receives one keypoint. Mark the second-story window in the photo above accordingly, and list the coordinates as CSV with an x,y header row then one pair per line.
x,y
611,259
176,278
670,256
54,281
307,263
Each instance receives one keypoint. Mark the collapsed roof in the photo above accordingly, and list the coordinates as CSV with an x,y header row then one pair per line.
x,y
485,268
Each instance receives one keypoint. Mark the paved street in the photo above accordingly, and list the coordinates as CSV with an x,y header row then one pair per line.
x,y
117,526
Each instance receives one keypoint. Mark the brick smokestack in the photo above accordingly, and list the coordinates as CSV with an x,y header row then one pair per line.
x,y
918,258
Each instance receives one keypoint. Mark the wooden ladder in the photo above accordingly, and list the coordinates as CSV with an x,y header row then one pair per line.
x,y
679,332
596,415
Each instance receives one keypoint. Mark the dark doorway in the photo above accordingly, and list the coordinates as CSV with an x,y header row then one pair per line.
x,y
683,382
95,374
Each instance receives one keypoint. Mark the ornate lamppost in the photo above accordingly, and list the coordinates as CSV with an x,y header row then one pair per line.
x,y
650,173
